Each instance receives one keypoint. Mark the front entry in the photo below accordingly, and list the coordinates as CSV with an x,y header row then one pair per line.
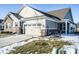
x,y
63,28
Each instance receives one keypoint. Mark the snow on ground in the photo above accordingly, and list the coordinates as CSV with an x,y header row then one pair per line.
x,y
7,44
72,39
74,49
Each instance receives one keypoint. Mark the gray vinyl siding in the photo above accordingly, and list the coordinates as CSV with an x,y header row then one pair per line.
x,y
51,27
51,24
72,28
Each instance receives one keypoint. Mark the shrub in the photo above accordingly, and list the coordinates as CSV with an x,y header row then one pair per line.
x,y
7,32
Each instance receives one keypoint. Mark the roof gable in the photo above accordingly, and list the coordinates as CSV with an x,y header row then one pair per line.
x,y
26,11
6,18
12,16
69,16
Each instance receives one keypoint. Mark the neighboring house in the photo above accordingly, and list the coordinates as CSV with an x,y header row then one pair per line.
x,y
12,22
1,25
31,21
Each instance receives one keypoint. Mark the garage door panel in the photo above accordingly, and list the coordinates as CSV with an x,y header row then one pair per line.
x,y
32,31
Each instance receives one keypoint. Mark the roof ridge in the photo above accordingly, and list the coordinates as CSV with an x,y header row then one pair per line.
x,y
58,9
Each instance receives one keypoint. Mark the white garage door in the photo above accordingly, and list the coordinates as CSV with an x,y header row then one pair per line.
x,y
32,31
28,30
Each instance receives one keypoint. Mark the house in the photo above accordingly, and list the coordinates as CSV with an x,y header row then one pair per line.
x,y
31,21
12,22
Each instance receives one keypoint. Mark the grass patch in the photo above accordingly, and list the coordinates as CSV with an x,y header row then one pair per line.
x,y
39,47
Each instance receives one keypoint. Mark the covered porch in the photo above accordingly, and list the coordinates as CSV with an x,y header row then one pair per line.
x,y
64,27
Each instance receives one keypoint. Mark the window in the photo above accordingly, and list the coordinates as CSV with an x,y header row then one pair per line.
x,y
38,24
16,24
34,24
63,28
29,24
71,28
6,25
10,25
25,24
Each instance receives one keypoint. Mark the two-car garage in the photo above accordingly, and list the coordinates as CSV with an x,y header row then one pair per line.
x,y
34,27
31,30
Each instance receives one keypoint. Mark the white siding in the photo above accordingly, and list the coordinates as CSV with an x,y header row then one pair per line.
x,y
29,12
15,20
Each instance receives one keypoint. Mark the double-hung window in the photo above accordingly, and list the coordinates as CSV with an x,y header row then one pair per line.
x,y
16,24
38,24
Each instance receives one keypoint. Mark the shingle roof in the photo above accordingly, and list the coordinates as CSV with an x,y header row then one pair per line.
x,y
46,14
16,15
59,13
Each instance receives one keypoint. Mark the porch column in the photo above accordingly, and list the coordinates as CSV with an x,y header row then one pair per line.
x,y
69,27
66,27
23,28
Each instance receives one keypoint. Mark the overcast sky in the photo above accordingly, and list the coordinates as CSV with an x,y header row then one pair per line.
x,y
5,8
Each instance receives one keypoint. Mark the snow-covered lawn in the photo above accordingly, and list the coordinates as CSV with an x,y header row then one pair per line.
x,y
74,49
7,44
72,39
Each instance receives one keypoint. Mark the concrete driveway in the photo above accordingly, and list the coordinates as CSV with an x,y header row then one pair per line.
x,y
13,39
